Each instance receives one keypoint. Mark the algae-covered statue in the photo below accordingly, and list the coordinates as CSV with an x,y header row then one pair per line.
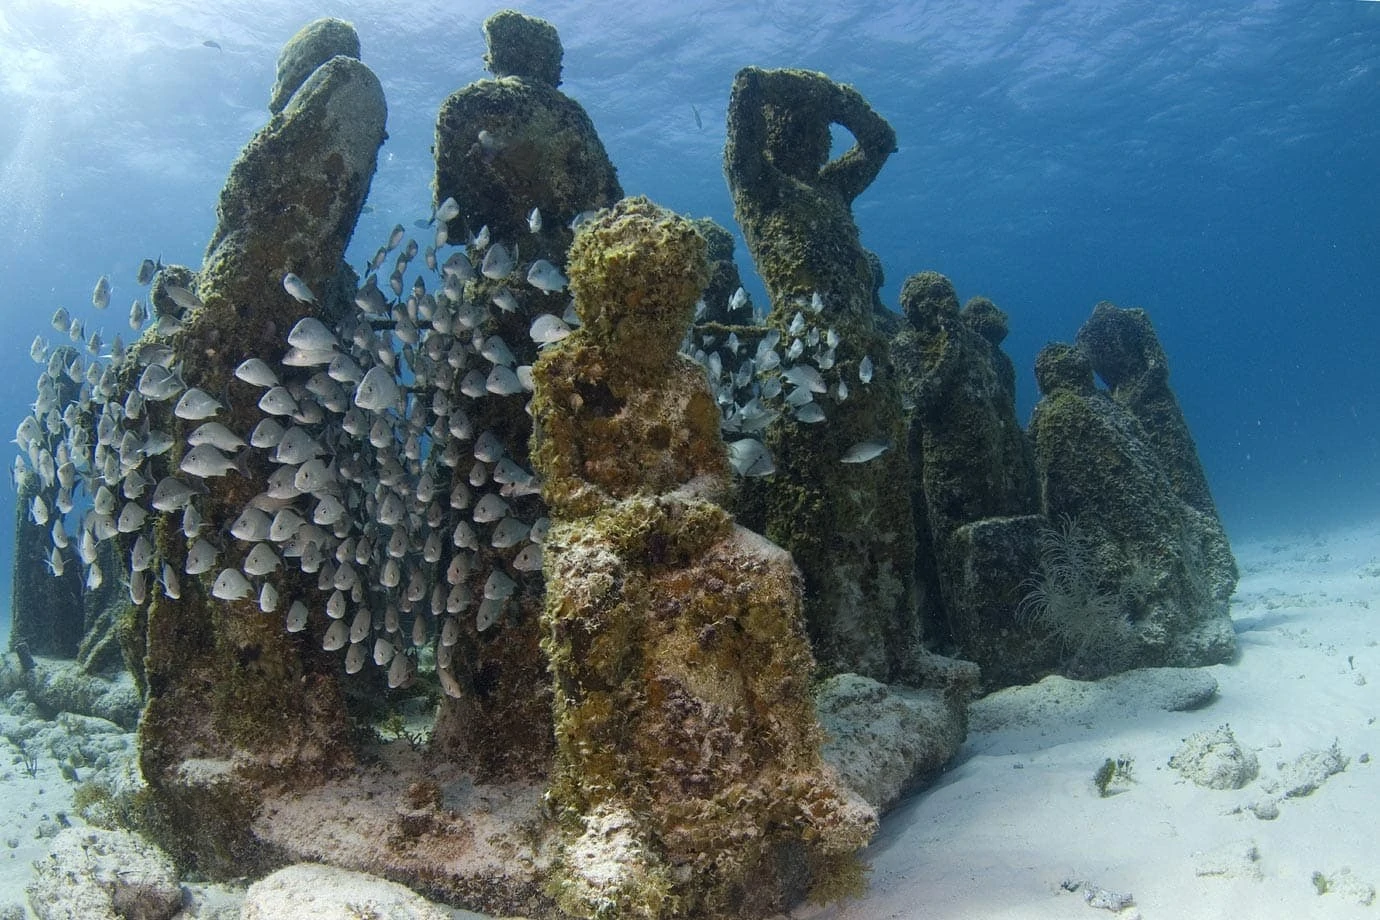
x,y
848,526
521,161
688,776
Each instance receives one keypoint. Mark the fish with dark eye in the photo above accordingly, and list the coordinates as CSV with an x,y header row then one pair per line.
x,y
100,297
498,262
197,404
298,289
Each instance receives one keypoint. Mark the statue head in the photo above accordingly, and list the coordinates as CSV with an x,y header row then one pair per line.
x,y
523,46
637,271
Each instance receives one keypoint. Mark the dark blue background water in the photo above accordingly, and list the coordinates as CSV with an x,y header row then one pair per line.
x,y
1217,166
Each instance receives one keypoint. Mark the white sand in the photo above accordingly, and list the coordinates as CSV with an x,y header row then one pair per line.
x,y
1017,813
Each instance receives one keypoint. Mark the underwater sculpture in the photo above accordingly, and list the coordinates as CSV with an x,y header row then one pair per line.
x,y
848,526
522,163
977,504
1131,574
688,773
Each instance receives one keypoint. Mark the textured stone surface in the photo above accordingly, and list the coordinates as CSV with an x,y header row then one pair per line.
x,y
328,893
93,874
886,741
1215,760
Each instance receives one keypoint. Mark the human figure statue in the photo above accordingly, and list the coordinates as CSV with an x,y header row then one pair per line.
x,y
848,526
688,762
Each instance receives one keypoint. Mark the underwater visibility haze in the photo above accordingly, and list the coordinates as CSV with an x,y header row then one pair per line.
x,y
528,418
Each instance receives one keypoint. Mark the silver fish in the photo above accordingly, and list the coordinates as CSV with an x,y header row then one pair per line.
x,y
310,334
528,558
256,372
284,525
191,522
503,381
172,585
534,220
131,518
378,391
261,560
490,507
546,277
268,598
750,457
251,526
137,314
498,262
138,588
458,266
803,375
205,461
147,269
141,554
505,300
811,413
865,451
296,446
231,585
490,611
215,434
201,557
297,617
172,494
278,401
314,477
104,500
183,297
298,289
196,404
509,532
446,211
865,369
158,383
268,433
548,328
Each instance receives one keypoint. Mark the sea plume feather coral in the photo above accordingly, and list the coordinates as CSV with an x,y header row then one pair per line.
x,y
1069,599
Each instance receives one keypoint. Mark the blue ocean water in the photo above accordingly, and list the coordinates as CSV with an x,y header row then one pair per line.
x,y
1216,164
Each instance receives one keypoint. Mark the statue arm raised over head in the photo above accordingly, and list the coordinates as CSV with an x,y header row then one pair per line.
x,y
875,142
820,100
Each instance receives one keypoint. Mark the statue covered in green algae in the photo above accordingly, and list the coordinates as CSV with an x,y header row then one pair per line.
x,y
976,497
688,777
507,149
233,701
848,526
1133,574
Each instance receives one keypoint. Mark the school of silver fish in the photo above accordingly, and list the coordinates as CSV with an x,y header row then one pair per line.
x,y
377,481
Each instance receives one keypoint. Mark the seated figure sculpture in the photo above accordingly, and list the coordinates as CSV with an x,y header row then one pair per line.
x,y
688,777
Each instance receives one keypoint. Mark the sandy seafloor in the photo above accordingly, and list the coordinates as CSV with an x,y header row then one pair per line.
x,y
1017,820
